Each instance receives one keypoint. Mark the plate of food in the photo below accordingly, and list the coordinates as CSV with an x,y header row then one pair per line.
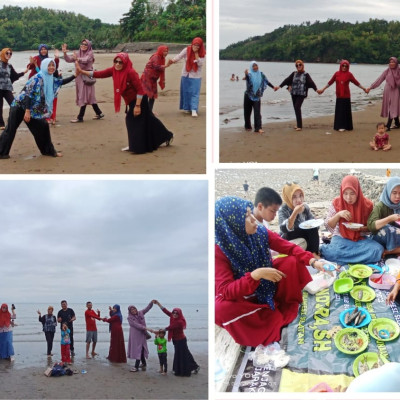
x,y
355,317
362,293
311,223
367,361
394,266
351,341
360,271
384,329
352,225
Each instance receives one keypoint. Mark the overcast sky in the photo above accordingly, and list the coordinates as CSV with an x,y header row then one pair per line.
x,y
106,11
240,19
119,241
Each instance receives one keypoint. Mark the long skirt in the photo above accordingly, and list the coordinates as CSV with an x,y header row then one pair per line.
x,y
388,237
6,344
190,93
38,127
145,132
343,117
344,251
184,363
250,323
117,353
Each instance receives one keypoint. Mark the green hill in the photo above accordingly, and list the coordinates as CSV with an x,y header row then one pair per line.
x,y
371,42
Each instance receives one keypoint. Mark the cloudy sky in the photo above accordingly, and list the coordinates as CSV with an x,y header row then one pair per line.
x,y
116,240
106,11
240,19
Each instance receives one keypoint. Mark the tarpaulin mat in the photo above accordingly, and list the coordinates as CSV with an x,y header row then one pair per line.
x,y
314,358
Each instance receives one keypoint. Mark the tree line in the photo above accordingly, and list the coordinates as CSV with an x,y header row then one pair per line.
x,y
179,21
371,42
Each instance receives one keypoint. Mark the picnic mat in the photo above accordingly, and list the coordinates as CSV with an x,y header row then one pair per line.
x,y
314,358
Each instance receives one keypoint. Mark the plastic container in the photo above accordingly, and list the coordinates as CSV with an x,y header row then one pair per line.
x,y
343,285
368,293
365,321
386,283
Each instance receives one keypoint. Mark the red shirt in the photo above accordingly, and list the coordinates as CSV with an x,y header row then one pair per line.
x,y
342,84
90,318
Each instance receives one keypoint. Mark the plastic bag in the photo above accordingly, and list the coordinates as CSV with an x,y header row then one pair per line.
x,y
321,280
271,356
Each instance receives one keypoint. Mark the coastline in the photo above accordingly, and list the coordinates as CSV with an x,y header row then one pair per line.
x,y
317,142
94,147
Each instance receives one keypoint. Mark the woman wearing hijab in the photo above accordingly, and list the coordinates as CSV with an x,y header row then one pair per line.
x,y
184,363
7,77
350,244
85,94
34,66
384,219
343,77
6,334
255,295
391,96
33,105
298,83
145,131
292,213
117,352
194,56
256,83
137,344
155,70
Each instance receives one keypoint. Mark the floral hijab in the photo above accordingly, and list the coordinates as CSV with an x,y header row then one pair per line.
x,y
3,55
360,210
245,252
387,191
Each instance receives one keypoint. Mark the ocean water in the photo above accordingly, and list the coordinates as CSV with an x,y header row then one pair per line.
x,y
30,344
277,106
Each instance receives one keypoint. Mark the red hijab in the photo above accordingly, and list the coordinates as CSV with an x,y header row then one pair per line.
x,y
190,64
176,322
120,78
161,58
360,210
5,316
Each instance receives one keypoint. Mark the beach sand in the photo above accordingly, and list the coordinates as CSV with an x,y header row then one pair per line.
x,y
317,142
94,147
102,379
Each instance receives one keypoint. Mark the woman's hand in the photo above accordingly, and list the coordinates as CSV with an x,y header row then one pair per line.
x,y
27,116
394,217
346,215
39,312
392,295
137,110
270,274
64,48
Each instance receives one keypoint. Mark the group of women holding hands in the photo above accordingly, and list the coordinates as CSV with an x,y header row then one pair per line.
x,y
37,102
257,294
299,82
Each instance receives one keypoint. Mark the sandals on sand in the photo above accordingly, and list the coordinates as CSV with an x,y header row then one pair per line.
x,y
76,120
98,116
134,369
168,142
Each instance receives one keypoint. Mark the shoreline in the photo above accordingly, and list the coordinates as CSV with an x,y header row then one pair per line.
x,y
317,142
94,147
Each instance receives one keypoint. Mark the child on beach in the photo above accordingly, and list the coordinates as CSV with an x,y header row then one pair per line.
x,y
161,344
65,342
381,138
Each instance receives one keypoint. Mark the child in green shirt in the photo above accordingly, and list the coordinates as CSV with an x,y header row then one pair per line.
x,y
161,344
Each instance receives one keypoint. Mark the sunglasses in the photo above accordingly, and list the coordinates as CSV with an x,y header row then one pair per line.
x,y
8,53
84,44
292,183
299,65
118,62
345,66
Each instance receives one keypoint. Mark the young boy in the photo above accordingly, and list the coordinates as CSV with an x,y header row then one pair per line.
x,y
266,205
91,328
381,138
161,344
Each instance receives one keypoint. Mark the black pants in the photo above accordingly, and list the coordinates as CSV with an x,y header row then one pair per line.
x,y
38,127
310,235
5,94
297,103
142,359
396,122
82,110
151,104
163,361
49,340
248,107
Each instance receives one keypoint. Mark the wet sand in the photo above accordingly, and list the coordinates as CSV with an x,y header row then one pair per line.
x,y
317,142
94,147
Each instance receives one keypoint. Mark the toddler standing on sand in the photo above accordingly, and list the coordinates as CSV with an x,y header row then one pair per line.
x,y
65,342
161,344
381,138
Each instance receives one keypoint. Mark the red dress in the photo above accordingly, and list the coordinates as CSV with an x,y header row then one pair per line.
x,y
236,310
117,353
